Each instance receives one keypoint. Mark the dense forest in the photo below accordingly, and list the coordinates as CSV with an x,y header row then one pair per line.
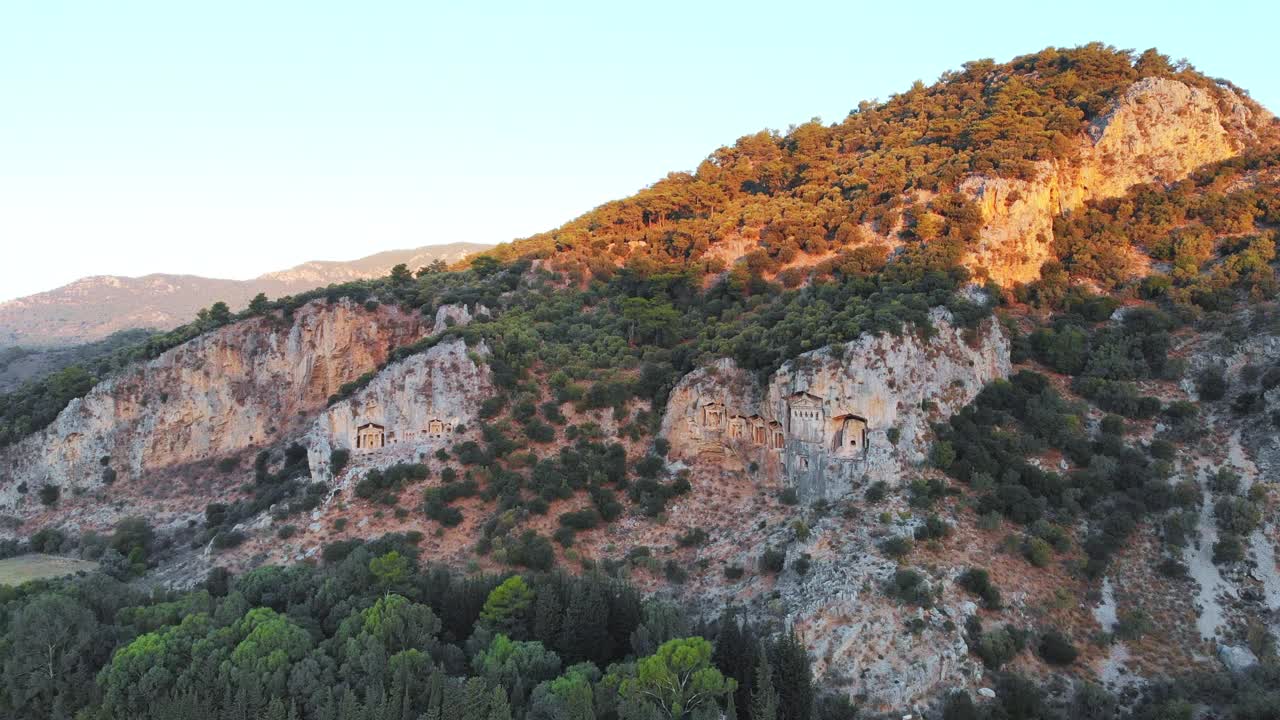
x,y
373,635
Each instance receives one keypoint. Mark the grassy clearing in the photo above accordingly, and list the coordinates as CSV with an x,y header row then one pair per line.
x,y
24,568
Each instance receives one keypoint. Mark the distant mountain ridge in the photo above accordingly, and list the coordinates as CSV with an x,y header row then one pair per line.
x,y
94,307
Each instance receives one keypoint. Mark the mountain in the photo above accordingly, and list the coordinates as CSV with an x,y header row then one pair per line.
x,y
964,406
94,307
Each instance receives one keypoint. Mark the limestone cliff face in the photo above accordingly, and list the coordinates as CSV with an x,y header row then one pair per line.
x,y
409,410
832,417
1160,130
245,385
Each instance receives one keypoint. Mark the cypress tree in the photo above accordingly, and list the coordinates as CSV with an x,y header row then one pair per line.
x,y
546,614
764,699
792,678
435,697
735,655
584,631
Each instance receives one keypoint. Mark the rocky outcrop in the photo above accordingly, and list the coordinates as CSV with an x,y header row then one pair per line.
x,y
833,417
1160,130
456,315
409,410
246,385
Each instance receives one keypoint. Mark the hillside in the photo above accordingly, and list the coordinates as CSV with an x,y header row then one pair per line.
x,y
962,407
92,308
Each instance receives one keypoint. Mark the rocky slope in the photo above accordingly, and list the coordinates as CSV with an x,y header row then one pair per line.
x,y
411,409
1159,131
94,307
244,386
837,417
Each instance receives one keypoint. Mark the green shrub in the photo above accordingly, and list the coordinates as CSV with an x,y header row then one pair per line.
x,y
1056,648
772,561
896,547
1211,384
1228,550
1037,552
696,536
49,494
911,587
338,459
877,491
978,582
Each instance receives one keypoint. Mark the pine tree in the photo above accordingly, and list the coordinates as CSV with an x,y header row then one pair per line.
x,y
275,710
349,708
476,702
499,708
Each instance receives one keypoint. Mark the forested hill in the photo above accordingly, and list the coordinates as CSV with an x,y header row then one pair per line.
x,y
964,407
887,173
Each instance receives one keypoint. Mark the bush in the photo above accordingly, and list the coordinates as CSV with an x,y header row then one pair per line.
x,y
585,519
997,647
338,459
896,547
1056,648
1211,384
696,536
284,532
48,540
1227,550
733,572
801,564
49,494
978,582
877,492
910,586
1133,625
942,454
229,539
789,497
674,573
934,528
1037,552
772,561
532,551
564,536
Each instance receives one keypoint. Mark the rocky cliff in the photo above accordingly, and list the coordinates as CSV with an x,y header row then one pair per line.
x,y
411,409
243,386
835,417
1160,130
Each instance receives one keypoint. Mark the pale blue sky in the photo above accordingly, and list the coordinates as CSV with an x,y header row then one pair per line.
x,y
232,138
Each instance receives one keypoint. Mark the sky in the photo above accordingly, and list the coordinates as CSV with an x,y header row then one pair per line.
x,y
233,138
